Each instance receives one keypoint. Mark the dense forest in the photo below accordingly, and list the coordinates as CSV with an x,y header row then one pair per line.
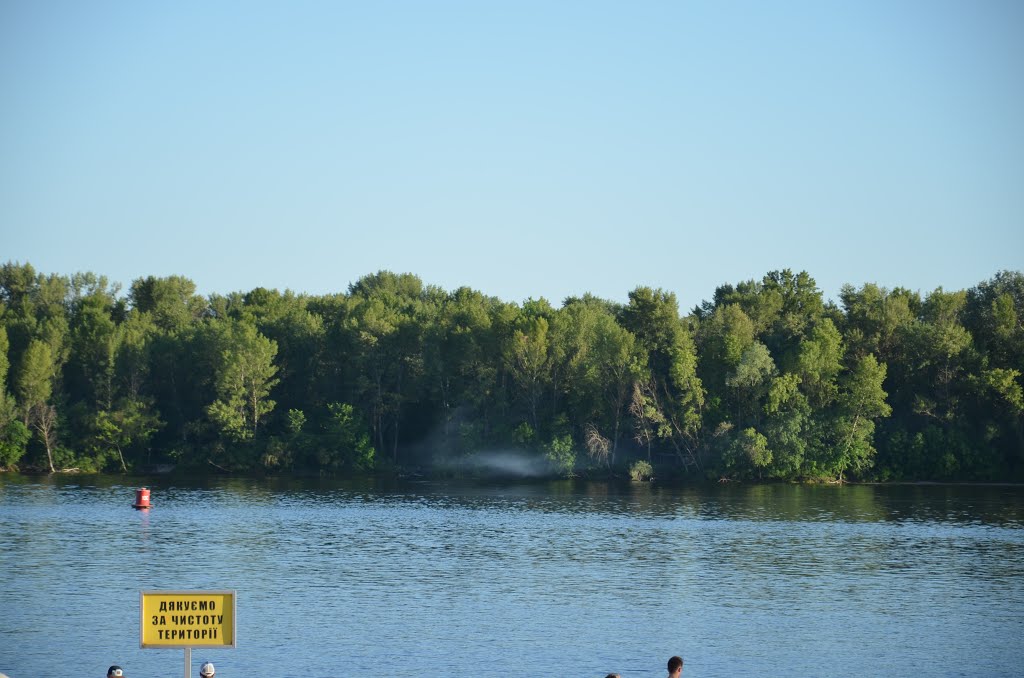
x,y
767,380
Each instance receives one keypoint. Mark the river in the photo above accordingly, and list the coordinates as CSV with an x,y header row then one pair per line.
x,y
558,579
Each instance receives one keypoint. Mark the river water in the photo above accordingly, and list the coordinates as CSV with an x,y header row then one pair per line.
x,y
545,579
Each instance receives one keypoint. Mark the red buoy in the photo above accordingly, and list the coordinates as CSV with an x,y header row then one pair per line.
x,y
141,499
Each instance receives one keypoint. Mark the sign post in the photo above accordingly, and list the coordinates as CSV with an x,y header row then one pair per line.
x,y
186,619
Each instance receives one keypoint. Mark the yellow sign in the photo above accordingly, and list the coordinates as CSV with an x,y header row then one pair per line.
x,y
187,618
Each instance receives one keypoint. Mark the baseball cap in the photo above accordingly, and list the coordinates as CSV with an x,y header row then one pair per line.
x,y
206,669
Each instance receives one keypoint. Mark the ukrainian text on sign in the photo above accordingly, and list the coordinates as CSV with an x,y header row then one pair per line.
x,y
187,618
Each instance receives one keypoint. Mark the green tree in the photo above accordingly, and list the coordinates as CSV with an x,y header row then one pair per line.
x,y
723,338
296,421
819,362
244,381
783,306
384,332
35,388
348,441
748,455
132,423
750,381
527,359
460,371
14,436
941,343
994,314
7,403
14,439
675,394
133,342
562,454
876,319
172,302
861,401
93,351
649,422
787,426
616,365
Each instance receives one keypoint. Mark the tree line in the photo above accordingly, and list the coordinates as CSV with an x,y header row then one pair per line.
x,y
767,380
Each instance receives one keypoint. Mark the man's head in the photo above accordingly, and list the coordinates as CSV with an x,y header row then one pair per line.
x,y
115,672
675,666
206,670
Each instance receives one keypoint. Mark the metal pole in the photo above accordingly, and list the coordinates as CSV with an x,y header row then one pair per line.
x,y
188,662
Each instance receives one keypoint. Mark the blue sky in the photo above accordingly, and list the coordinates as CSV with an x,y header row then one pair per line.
x,y
524,149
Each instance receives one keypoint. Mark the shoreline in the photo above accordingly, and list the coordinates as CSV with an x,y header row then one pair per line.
x,y
504,479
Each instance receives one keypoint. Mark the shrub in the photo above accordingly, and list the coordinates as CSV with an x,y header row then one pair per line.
x,y
641,470
561,454
13,443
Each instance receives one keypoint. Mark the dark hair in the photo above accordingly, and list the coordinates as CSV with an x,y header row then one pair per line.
x,y
613,675
674,664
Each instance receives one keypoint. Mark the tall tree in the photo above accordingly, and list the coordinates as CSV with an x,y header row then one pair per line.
x,y
172,302
527,359
14,435
750,381
384,324
91,366
876,319
35,388
675,392
461,372
819,362
861,401
131,423
244,381
617,366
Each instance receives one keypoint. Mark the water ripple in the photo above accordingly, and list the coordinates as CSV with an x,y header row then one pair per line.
x,y
553,579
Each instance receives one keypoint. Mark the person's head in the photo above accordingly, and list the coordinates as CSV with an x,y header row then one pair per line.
x,y
206,670
675,666
613,675
115,672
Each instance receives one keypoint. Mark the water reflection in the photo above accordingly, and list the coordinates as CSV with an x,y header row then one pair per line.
x,y
564,578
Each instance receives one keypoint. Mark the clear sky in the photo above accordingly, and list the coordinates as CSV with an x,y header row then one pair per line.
x,y
521,148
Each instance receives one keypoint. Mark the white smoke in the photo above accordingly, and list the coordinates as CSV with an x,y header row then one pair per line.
x,y
513,463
